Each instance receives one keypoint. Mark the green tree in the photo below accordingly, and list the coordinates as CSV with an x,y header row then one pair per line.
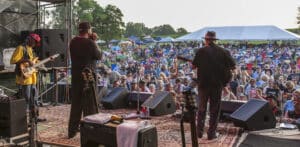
x,y
181,31
136,29
165,29
85,10
111,26
107,22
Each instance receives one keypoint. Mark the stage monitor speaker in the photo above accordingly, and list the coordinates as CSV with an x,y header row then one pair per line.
x,y
228,107
13,120
53,41
135,96
161,103
117,98
254,115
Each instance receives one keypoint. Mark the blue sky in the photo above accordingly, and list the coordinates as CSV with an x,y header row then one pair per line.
x,y
195,14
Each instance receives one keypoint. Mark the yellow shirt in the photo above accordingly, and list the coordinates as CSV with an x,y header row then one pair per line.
x,y
16,57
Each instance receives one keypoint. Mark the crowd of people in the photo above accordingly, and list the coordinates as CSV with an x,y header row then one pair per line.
x,y
266,72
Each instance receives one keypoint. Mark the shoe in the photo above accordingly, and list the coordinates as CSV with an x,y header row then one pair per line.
x,y
72,134
41,119
212,136
199,134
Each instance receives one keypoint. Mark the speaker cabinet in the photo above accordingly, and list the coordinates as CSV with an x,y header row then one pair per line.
x,y
161,103
228,107
254,115
13,120
53,41
134,97
93,135
23,35
117,98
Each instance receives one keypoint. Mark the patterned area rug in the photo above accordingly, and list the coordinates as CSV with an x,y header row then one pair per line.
x,y
54,130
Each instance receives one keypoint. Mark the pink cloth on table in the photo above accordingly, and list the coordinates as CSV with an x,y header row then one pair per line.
x,y
127,133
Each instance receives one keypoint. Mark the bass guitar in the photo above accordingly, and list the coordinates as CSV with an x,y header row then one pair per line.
x,y
27,70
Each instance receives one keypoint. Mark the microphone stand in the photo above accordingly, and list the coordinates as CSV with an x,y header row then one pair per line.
x,y
138,84
281,106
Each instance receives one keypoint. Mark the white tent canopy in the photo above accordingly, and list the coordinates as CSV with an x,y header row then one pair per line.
x,y
243,33
167,39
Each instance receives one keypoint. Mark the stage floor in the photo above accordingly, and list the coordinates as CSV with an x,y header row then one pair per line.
x,y
54,130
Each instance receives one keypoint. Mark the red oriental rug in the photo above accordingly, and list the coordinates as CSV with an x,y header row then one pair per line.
x,y
54,130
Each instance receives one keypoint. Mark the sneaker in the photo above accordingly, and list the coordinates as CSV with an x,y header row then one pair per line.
x,y
212,136
72,134
199,134
41,119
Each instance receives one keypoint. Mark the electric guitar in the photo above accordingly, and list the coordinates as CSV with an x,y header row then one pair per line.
x,y
27,70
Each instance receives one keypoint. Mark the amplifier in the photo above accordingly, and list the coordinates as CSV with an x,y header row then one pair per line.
x,y
13,119
93,135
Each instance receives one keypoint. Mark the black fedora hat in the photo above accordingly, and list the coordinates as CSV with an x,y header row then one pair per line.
x,y
210,35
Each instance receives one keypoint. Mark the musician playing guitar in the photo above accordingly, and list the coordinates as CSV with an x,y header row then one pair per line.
x,y
23,55
214,65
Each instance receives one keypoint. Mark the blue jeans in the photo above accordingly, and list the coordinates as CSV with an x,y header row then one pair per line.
x,y
29,92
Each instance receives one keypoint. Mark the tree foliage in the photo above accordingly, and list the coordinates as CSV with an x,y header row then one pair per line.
x,y
111,25
107,22
136,29
162,30
181,31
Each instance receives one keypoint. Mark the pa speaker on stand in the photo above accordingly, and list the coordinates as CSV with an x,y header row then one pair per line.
x,y
53,41
161,103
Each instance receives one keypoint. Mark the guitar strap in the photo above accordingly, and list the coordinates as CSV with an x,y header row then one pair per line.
x,y
25,53
90,103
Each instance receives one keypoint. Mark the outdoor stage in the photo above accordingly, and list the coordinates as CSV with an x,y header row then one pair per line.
x,y
54,130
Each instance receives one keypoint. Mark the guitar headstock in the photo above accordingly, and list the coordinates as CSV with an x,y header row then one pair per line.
x,y
55,56
190,99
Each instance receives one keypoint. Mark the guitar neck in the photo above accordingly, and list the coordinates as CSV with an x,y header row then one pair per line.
x,y
184,59
45,61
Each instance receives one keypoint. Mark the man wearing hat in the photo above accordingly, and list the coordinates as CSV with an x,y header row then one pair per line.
x,y
24,54
84,54
214,65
